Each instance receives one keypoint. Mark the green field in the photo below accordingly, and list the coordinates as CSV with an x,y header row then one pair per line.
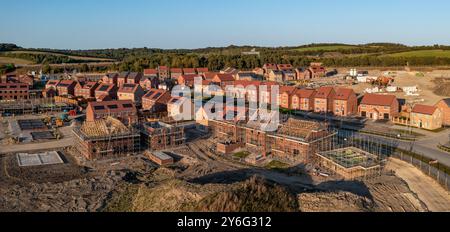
x,y
10,60
58,54
423,53
324,48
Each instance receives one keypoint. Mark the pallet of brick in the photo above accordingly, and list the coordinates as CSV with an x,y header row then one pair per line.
x,y
160,158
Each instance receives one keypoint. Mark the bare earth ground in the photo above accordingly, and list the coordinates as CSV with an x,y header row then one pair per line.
x,y
427,190
135,184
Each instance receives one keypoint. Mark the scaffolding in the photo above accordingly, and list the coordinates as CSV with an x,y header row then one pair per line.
x,y
32,106
351,163
106,138
160,136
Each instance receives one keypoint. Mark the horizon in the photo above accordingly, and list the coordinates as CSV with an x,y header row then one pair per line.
x,y
177,24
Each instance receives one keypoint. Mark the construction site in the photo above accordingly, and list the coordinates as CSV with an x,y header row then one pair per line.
x,y
105,139
33,106
160,136
351,163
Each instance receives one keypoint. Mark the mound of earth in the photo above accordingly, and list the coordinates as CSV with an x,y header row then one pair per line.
x,y
253,195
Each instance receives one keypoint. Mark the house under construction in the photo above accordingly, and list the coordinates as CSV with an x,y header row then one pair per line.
x,y
158,135
351,163
106,138
294,140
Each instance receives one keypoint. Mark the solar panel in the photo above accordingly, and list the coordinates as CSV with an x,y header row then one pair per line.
x,y
104,87
113,106
157,95
99,107
127,105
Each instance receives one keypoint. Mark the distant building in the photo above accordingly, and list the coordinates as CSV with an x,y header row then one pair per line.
x,y
151,72
175,73
134,77
201,71
276,76
110,78
303,99
164,72
189,71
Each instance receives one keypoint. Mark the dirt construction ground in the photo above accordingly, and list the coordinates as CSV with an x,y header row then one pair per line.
x,y
202,181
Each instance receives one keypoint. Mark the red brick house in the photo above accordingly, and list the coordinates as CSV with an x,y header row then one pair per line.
x,y
285,96
376,106
444,106
134,78
210,75
122,78
163,72
317,70
66,87
223,79
110,78
303,99
269,67
426,117
103,90
87,90
133,92
323,100
125,111
149,82
51,84
188,79
14,91
175,73
155,100
284,67
345,102
201,71
189,71
151,72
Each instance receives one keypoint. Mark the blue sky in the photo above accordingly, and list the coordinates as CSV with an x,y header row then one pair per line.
x,y
84,24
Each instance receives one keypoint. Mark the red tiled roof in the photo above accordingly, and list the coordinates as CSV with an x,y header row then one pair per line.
x,y
378,100
150,71
66,82
176,70
129,88
202,70
324,92
163,68
287,89
424,109
225,77
305,93
284,66
190,77
343,94
210,75
103,89
155,94
189,70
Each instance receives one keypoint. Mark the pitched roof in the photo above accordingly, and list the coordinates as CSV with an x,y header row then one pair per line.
x,y
305,93
287,89
112,106
224,77
284,66
176,70
210,75
343,94
324,92
105,87
160,68
424,109
190,77
202,70
129,88
150,71
66,83
378,100
124,74
155,94
445,101
189,70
